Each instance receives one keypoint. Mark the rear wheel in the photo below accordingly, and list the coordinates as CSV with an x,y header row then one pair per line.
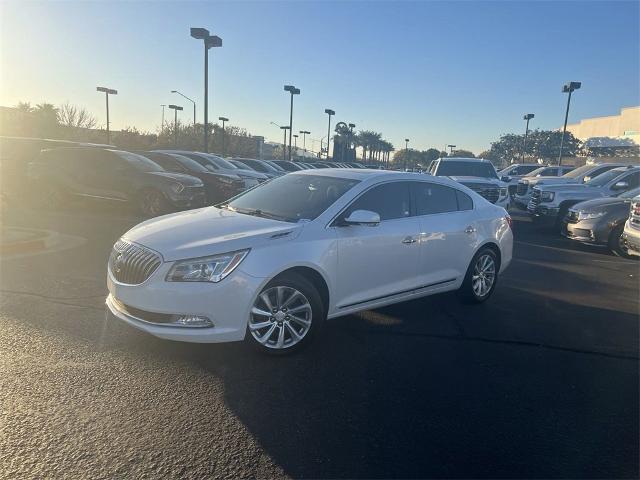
x,y
616,245
153,203
285,316
481,277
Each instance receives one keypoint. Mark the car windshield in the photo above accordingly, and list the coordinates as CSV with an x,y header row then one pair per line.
x,y
240,165
578,172
189,163
466,169
605,178
221,162
537,171
167,162
292,198
139,162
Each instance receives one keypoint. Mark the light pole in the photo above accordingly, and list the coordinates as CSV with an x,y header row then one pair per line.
x,y
295,144
527,117
209,42
304,134
194,106
567,88
329,112
284,128
162,124
451,147
223,120
107,92
293,91
406,152
351,127
175,109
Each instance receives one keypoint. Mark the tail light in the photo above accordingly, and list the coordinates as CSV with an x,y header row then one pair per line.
x,y
509,221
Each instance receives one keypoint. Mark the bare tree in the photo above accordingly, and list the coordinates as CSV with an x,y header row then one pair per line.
x,y
74,117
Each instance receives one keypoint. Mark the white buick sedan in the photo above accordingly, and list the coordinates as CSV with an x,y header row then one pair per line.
x,y
273,263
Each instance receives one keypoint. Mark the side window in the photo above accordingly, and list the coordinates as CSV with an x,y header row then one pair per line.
x,y
633,180
464,201
433,198
390,201
550,172
600,170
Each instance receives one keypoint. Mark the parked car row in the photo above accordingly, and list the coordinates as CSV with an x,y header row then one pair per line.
x,y
155,182
592,204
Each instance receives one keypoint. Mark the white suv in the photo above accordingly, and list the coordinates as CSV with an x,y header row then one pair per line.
x,y
278,259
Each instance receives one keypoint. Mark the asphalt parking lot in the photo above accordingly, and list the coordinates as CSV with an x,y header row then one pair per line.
x,y
542,381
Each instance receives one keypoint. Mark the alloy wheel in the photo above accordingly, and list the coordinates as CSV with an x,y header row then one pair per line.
x,y
280,317
484,274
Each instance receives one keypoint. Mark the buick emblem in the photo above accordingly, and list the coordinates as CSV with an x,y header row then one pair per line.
x,y
119,263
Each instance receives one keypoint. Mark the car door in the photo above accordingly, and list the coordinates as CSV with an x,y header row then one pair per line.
x,y
447,232
106,175
378,262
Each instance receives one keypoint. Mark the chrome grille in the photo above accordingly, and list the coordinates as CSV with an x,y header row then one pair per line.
x,y
487,190
522,188
132,264
634,216
535,197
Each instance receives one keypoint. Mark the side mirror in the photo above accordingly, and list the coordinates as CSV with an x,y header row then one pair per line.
x,y
362,217
506,178
586,179
620,185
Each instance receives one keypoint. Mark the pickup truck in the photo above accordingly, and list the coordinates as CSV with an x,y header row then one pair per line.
x,y
550,203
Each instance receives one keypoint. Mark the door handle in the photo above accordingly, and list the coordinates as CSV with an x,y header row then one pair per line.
x,y
470,229
409,240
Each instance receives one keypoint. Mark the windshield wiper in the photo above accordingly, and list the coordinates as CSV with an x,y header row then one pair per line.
x,y
256,212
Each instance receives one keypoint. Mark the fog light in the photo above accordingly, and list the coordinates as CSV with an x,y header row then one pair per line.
x,y
191,321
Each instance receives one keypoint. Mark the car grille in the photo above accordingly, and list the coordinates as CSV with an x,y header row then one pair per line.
x,y
488,191
535,197
572,216
634,216
132,264
522,188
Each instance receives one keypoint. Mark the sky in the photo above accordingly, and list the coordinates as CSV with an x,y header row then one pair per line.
x,y
436,72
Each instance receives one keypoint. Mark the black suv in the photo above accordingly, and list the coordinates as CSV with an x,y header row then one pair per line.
x,y
115,175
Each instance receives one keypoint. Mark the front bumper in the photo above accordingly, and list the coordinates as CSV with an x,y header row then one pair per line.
x,y
226,304
543,212
188,198
586,231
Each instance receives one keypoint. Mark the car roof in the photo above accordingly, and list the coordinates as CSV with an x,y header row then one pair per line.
x,y
368,174
464,159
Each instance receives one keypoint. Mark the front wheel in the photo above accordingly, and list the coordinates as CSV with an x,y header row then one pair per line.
x,y
616,245
153,203
481,277
285,315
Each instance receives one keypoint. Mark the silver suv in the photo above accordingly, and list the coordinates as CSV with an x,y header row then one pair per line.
x,y
550,203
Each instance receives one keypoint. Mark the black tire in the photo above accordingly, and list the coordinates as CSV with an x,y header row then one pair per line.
x,y
564,209
615,242
270,345
466,292
152,203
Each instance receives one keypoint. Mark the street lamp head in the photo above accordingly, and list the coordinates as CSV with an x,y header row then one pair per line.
x,y
175,107
212,41
528,116
109,91
289,88
352,125
329,111
285,127
174,91
406,139
199,33
305,132
295,136
571,86
223,119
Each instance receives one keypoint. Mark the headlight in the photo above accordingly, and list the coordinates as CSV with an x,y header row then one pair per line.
x,y
503,192
177,187
206,269
587,215
547,196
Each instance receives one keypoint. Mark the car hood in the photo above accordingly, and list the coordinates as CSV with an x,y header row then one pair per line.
x,y
604,203
549,180
186,180
468,179
208,231
571,187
